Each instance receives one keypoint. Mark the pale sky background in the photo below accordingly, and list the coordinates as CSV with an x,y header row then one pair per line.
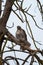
x,y
38,34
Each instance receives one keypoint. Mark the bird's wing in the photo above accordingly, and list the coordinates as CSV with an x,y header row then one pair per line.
x,y
23,34
18,34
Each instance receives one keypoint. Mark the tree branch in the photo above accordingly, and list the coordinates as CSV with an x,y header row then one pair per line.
x,y
7,11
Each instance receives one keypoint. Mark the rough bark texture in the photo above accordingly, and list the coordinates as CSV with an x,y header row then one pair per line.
x,y
4,18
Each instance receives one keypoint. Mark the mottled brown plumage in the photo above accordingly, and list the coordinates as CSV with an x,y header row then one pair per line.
x,y
21,34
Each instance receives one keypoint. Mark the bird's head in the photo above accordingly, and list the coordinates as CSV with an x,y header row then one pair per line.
x,y
18,27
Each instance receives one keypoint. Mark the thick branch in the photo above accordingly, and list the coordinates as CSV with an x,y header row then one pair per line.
x,y
39,60
7,11
16,41
25,44
0,6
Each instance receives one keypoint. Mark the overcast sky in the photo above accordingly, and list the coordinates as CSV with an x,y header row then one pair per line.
x,y
38,34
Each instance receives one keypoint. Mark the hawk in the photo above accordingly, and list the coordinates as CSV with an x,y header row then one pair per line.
x,y
21,35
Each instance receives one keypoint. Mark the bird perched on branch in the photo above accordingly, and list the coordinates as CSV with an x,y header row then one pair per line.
x,y
21,35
